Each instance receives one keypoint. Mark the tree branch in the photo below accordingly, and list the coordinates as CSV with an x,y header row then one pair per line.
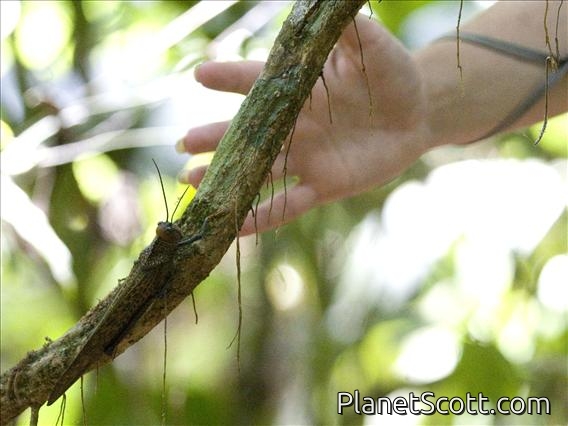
x,y
241,164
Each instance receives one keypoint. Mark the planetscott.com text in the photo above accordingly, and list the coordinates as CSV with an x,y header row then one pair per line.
x,y
427,403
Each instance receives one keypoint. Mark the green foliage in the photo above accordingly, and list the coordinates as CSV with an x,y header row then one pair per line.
x,y
332,302
392,13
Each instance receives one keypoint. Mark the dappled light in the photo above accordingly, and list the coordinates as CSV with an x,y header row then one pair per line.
x,y
427,355
284,287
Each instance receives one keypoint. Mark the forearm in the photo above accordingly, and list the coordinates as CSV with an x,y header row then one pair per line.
x,y
493,84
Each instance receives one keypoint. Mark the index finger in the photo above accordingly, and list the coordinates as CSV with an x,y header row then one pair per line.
x,y
235,77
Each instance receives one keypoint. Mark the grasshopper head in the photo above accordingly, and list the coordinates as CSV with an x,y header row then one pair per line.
x,y
168,232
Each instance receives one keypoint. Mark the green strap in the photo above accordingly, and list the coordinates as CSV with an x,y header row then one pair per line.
x,y
521,53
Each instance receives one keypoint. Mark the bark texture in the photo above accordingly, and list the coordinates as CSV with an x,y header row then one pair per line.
x,y
239,169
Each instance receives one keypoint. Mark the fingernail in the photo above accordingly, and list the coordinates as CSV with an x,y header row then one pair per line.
x,y
182,176
180,146
196,69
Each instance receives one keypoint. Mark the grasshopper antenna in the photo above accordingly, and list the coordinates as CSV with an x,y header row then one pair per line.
x,y
179,201
163,191
164,194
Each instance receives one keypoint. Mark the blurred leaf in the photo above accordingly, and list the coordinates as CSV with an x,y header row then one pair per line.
x,y
42,36
6,135
482,368
555,138
392,13
379,350
95,176
32,226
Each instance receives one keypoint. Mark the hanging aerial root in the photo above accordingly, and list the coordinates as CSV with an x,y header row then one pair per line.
x,y
551,63
545,120
194,308
328,97
61,414
271,180
285,169
165,364
458,42
237,336
364,71
255,216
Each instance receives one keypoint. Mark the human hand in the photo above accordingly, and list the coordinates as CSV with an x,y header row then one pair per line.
x,y
361,147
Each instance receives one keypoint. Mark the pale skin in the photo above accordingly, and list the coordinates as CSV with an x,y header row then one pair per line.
x,y
418,103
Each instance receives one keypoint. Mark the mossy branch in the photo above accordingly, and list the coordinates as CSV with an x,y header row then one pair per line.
x,y
239,169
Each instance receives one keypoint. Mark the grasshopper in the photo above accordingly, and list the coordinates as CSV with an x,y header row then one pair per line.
x,y
150,277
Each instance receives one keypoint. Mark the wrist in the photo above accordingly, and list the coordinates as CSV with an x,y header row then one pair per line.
x,y
446,113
